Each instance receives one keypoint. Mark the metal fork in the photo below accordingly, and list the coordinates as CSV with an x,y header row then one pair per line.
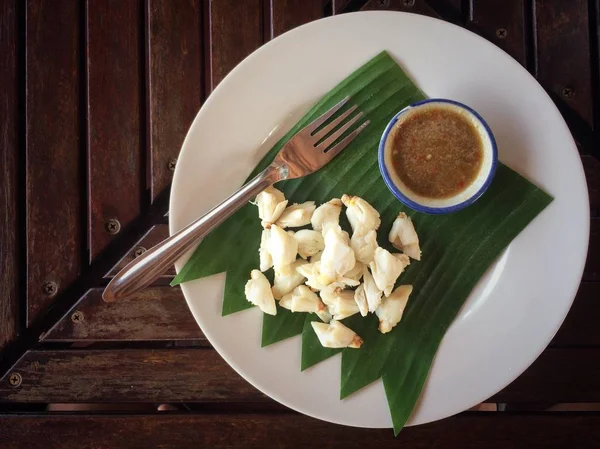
x,y
309,150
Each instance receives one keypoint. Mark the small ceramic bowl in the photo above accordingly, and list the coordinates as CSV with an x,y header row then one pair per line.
x,y
440,205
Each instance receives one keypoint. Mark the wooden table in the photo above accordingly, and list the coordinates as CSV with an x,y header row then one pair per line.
x,y
95,99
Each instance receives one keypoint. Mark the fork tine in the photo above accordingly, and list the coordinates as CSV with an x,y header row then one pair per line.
x,y
331,126
334,151
336,135
320,120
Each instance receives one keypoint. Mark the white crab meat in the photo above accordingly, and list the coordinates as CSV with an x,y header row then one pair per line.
x,y
340,302
386,267
296,215
283,248
317,257
355,274
372,292
271,204
285,283
310,243
364,246
302,299
404,237
336,335
337,258
312,273
266,261
258,292
391,308
362,216
326,215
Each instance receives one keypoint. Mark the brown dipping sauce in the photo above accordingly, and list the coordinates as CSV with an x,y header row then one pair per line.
x,y
436,151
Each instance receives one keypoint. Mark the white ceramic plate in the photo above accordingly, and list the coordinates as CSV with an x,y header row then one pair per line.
x,y
518,305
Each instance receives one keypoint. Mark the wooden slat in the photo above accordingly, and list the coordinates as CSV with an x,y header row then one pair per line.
x,y
159,313
155,235
558,375
53,191
200,375
231,40
137,375
8,172
563,50
175,81
580,328
419,7
591,165
176,430
115,108
493,16
339,6
592,265
288,14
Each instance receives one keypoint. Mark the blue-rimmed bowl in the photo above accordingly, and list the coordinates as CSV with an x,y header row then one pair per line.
x,y
439,205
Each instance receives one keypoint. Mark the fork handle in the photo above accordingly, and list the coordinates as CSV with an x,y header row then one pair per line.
x,y
146,268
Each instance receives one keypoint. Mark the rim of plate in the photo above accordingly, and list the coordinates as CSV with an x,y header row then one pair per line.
x,y
175,223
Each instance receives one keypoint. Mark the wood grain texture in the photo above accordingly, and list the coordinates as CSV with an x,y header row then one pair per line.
x,y
591,166
8,173
175,81
159,313
558,375
339,6
175,430
289,14
580,328
563,53
231,40
137,375
155,235
54,212
418,7
115,114
491,17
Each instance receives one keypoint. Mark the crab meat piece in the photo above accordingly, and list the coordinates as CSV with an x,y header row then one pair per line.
x,y
336,335
404,237
271,204
258,292
391,308
296,215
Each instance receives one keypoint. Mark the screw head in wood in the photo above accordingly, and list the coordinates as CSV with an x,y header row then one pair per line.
x,y
50,288
407,3
501,33
113,226
566,92
139,251
172,163
77,317
15,379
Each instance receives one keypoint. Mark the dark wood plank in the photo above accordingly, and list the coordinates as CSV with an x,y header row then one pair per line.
x,y
503,23
155,235
558,375
175,81
289,14
54,190
580,328
417,7
339,6
563,51
137,375
200,375
592,265
159,313
591,165
9,253
115,109
176,430
230,41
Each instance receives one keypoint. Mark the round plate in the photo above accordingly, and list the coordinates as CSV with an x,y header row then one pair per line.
x,y
518,305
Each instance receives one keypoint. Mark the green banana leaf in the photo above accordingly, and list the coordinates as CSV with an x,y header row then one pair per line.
x,y
456,249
